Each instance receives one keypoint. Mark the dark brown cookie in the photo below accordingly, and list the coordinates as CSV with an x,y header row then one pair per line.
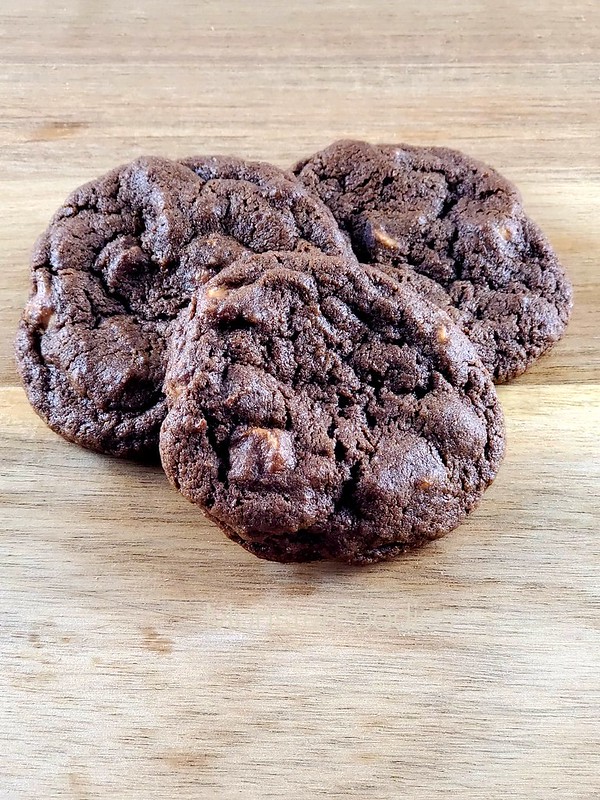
x,y
461,224
318,410
116,265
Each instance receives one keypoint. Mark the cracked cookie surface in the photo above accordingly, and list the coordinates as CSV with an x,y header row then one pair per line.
x,y
460,224
318,410
116,265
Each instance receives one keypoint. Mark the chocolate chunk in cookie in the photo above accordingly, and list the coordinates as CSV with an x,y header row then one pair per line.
x,y
120,260
462,225
319,410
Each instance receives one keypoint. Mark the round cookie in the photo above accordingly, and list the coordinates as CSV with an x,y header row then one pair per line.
x,y
120,260
461,224
318,410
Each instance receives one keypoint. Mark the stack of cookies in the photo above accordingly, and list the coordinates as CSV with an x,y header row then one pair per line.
x,y
312,352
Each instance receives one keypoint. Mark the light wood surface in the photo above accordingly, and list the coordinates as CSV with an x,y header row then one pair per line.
x,y
144,656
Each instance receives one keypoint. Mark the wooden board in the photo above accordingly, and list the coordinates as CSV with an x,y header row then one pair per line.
x,y
142,655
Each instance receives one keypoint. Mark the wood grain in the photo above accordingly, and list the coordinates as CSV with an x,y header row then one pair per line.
x,y
142,655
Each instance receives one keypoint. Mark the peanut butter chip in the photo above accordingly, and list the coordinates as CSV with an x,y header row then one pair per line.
x,y
217,292
505,233
269,436
175,390
442,334
385,239
261,452
40,308
277,447
424,483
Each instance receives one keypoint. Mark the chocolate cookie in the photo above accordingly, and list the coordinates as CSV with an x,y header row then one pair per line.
x,y
318,410
117,264
461,224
